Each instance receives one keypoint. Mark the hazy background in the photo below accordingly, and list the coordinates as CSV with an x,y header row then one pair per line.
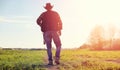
x,y
18,28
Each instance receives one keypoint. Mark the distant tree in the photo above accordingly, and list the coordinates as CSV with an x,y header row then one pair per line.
x,y
84,46
96,38
111,33
116,41
116,45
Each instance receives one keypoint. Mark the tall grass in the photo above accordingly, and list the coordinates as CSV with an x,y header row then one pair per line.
x,y
90,60
70,60
21,59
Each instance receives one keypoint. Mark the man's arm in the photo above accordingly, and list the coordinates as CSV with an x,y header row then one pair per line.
x,y
39,21
59,24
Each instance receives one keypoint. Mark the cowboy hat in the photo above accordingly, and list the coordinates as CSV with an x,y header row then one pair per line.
x,y
48,6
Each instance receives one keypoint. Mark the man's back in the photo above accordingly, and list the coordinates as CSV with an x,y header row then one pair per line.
x,y
50,21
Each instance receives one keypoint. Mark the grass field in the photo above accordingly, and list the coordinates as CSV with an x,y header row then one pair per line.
x,y
90,60
70,60
21,59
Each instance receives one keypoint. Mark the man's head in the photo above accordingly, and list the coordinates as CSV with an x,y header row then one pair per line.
x,y
48,6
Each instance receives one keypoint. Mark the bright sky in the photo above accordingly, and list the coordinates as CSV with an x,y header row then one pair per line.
x,y
18,28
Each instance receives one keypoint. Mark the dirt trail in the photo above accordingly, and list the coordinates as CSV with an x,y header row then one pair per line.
x,y
115,61
49,67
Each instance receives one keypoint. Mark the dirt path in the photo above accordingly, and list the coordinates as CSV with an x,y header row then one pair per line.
x,y
115,61
49,67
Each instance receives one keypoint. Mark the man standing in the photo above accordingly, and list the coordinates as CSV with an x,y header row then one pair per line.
x,y
51,26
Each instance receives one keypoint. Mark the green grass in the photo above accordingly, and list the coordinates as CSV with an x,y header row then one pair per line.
x,y
70,60
90,60
21,60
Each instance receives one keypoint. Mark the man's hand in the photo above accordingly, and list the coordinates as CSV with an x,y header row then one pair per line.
x,y
59,33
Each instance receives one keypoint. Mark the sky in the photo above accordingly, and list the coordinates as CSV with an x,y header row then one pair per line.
x,y
18,28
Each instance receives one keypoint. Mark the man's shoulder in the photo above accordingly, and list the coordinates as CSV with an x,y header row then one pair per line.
x,y
48,12
43,13
55,12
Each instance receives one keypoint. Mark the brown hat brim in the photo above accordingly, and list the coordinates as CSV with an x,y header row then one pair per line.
x,y
48,7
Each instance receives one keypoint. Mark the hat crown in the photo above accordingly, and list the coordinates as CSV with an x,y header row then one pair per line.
x,y
48,5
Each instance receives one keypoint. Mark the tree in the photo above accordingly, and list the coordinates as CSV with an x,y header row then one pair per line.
x,y
96,38
111,33
116,41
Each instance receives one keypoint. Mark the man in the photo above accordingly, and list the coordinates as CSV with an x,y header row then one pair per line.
x,y
51,26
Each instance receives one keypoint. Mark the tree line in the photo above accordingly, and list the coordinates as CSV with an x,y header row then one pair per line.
x,y
103,38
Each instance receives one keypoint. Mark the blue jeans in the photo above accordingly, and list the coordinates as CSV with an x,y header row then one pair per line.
x,y
48,37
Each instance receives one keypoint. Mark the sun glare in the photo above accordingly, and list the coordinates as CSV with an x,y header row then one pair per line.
x,y
80,17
